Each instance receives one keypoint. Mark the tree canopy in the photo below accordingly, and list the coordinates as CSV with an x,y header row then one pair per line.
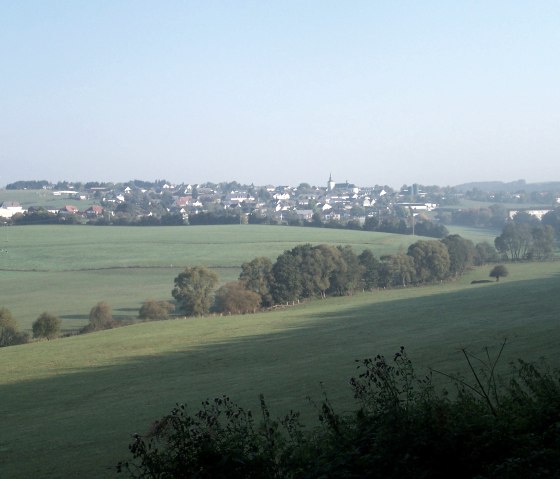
x,y
47,325
499,271
101,316
194,289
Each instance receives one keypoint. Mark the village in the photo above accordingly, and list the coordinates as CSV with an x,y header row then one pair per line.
x,y
338,204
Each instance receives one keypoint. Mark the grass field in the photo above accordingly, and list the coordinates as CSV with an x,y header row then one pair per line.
x,y
68,269
69,406
44,198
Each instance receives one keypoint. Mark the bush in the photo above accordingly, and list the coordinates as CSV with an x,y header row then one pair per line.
x,y
401,428
101,317
8,327
499,271
235,298
155,310
46,326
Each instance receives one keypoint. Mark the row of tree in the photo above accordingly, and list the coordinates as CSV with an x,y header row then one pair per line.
x,y
526,240
308,271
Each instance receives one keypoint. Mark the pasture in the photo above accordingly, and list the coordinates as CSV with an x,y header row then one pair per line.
x,y
67,269
43,198
69,406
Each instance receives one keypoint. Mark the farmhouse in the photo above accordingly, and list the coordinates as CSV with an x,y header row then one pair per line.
x,y
94,210
68,210
10,208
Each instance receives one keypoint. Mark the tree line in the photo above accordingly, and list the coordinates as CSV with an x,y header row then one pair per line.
x,y
528,238
308,271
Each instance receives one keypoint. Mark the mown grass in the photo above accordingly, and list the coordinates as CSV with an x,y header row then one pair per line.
x,y
68,269
69,406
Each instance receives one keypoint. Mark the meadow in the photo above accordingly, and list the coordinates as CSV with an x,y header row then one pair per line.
x,y
43,198
69,406
68,269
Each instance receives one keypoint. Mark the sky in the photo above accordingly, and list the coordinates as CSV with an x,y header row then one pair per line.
x,y
280,92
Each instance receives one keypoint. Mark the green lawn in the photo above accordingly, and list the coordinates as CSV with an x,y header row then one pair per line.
x,y
68,406
68,269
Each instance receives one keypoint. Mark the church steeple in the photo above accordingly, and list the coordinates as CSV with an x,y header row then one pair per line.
x,y
330,184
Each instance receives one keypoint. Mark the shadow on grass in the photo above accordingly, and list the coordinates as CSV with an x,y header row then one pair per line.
x,y
79,424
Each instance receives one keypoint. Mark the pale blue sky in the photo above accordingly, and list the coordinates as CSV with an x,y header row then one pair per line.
x,y
282,92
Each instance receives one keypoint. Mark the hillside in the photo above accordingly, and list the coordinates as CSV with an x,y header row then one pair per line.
x,y
68,269
69,406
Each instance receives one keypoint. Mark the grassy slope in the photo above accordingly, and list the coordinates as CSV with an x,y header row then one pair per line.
x,y
68,406
67,269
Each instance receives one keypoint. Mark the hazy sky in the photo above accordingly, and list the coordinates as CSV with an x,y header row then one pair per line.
x,y
283,92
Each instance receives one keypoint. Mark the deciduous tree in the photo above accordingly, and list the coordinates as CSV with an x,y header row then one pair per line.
x,y
194,290
235,298
8,328
46,326
257,276
461,253
155,310
499,271
101,316
431,260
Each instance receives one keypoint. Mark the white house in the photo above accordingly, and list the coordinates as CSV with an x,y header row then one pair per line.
x,y
10,208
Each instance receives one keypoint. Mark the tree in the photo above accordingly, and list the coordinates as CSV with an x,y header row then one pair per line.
x,y
431,260
235,298
542,244
515,240
461,253
370,269
101,316
485,253
155,310
347,274
46,326
257,277
287,279
399,269
499,271
8,328
194,290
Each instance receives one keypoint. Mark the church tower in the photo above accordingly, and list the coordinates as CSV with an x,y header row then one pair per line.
x,y
330,184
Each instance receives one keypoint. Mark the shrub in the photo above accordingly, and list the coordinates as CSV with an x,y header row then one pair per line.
x,y
499,271
100,317
402,427
155,310
46,326
235,298
8,327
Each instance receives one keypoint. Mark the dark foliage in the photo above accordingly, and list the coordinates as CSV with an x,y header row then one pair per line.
x,y
402,428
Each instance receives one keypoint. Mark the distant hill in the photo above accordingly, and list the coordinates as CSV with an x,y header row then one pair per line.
x,y
512,187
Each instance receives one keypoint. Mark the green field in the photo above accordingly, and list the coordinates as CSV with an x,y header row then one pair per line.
x,y
68,406
43,198
68,269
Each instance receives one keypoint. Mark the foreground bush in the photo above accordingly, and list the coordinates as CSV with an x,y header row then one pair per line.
x,y
402,428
